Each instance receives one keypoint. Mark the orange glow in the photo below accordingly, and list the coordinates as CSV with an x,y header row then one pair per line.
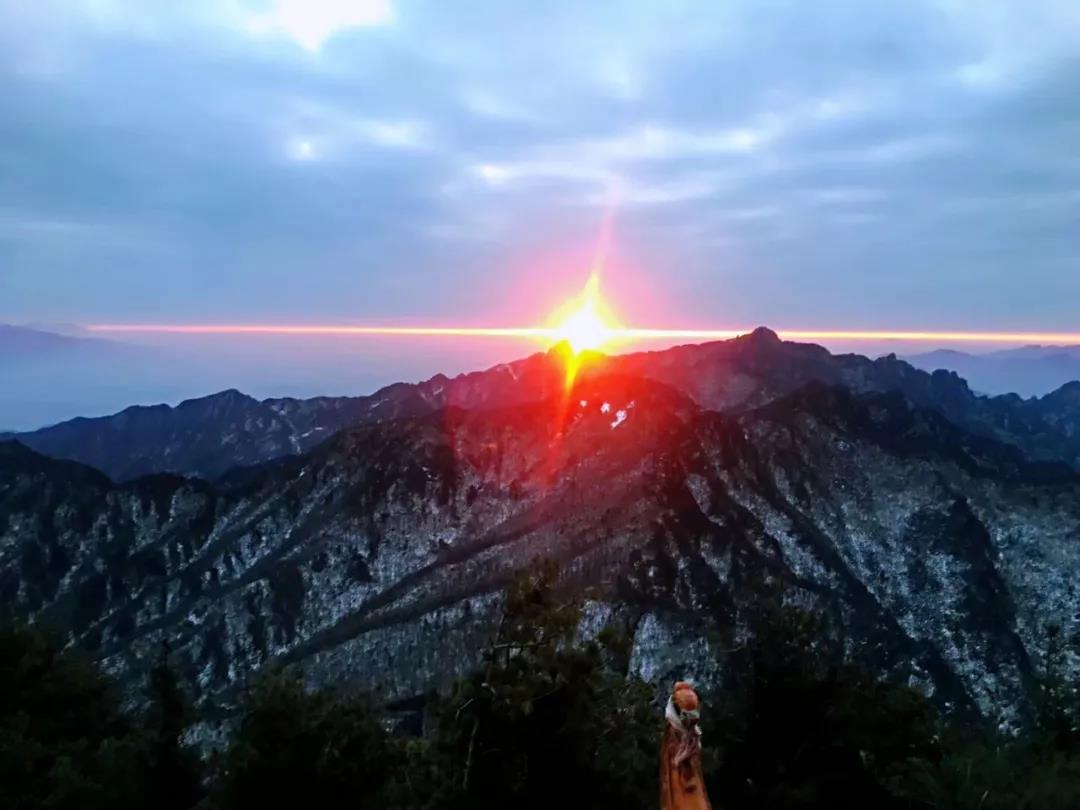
x,y
854,334
301,329
584,322
587,332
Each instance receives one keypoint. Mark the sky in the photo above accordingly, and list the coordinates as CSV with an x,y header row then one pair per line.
x,y
859,165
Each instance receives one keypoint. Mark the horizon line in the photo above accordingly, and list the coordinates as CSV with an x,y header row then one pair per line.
x,y
614,333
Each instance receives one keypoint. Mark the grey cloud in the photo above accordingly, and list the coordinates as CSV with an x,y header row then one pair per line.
x,y
826,147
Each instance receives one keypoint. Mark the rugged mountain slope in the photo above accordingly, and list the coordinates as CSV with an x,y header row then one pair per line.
x,y
758,368
379,556
208,436
201,437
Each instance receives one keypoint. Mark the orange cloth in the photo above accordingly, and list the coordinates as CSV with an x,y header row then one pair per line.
x,y
681,784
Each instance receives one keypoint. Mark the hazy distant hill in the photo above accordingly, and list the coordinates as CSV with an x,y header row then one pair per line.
x,y
1028,371
45,376
26,343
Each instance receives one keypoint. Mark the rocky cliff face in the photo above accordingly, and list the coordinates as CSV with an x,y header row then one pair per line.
x,y
378,557
209,436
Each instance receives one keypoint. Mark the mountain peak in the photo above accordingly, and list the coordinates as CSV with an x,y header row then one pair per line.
x,y
1068,393
763,335
229,396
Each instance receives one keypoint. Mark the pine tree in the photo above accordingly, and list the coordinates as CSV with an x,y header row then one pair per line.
x,y
64,742
1056,705
173,772
805,729
546,722
292,747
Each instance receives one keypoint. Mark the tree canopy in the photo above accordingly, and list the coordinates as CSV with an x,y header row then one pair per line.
x,y
548,719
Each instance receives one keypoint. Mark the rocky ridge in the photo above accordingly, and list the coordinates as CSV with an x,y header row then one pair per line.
x,y
378,557
209,436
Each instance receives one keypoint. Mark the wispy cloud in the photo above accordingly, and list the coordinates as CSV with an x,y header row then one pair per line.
x,y
33,229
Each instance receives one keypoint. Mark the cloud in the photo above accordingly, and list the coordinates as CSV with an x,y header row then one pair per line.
x,y
394,156
27,227
652,142
310,23
907,149
487,104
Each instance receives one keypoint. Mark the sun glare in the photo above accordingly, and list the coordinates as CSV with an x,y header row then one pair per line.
x,y
585,322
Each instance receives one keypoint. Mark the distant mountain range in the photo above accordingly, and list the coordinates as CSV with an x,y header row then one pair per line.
x,y
1028,371
208,436
51,373
938,530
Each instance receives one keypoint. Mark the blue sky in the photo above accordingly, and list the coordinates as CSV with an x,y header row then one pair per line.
x,y
833,164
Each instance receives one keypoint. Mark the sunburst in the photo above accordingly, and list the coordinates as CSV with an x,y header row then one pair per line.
x,y
585,323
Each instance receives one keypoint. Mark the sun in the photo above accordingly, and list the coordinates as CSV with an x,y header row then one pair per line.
x,y
585,323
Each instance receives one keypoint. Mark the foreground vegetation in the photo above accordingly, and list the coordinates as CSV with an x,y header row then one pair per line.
x,y
544,723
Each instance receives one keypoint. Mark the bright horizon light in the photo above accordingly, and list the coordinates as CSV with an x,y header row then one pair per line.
x,y
554,334
587,323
